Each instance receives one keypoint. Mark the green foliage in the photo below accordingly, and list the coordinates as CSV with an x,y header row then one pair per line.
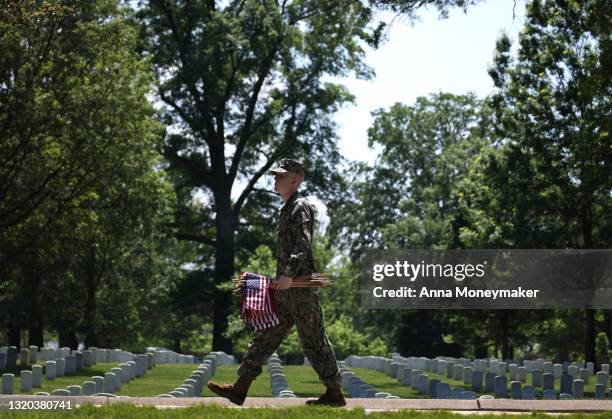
x,y
245,83
84,202
554,109
347,340
553,105
344,337
602,344
290,350
409,198
262,262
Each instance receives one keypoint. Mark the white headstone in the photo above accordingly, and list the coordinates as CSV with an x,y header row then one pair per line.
x,y
60,367
109,382
26,381
33,350
50,370
89,388
37,371
74,390
7,383
99,381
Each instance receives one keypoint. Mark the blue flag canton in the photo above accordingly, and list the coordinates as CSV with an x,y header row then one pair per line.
x,y
252,281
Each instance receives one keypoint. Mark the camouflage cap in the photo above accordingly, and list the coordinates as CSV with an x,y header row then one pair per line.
x,y
288,165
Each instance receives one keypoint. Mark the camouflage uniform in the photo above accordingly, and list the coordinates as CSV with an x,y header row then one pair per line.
x,y
299,306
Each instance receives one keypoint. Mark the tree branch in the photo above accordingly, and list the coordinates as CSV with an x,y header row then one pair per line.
x,y
195,237
198,171
247,190
246,130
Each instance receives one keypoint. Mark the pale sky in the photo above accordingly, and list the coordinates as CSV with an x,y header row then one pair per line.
x,y
434,55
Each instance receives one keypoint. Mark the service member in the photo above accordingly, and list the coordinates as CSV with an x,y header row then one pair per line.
x,y
299,306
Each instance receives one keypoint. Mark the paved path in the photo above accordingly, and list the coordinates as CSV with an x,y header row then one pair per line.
x,y
466,406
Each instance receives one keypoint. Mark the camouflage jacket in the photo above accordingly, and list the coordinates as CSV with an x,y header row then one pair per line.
x,y
295,231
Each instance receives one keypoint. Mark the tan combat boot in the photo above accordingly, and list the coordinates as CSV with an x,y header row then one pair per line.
x,y
333,397
236,393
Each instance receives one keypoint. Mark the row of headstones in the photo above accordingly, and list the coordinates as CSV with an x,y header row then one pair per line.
x,y
514,369
546,381
518,373
192,386
493,383
356,387
435,388
221,358
280,387
164,356
52,369
79,360
440,364
572,383
27,356
86,358
110,383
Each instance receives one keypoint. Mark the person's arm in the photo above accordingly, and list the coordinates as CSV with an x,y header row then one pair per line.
x,y
302,218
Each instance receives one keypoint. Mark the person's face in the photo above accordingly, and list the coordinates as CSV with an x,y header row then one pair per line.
x,y
285,182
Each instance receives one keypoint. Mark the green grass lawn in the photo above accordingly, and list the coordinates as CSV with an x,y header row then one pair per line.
x,y
302,380
201,411
161,379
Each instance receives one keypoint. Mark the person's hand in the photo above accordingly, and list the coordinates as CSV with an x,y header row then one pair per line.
x,y
284,283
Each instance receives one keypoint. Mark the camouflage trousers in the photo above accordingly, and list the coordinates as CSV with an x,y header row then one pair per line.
x,y
299,306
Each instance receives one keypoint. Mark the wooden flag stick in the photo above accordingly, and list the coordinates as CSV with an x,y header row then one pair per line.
x,y
302,281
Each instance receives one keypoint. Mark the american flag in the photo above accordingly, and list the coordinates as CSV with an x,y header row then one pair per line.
x,y
257,306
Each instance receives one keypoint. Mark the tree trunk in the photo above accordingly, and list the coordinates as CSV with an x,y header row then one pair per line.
x,y
224,269
589,336
589,343
91,284
482,350
176,340
14,335
67,338
505,344
90,306
35,330
35,333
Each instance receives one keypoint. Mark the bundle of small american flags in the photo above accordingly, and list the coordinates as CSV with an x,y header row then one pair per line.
x,y
257,305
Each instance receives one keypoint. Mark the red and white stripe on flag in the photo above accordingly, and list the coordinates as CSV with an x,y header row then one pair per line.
x,y
257,305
